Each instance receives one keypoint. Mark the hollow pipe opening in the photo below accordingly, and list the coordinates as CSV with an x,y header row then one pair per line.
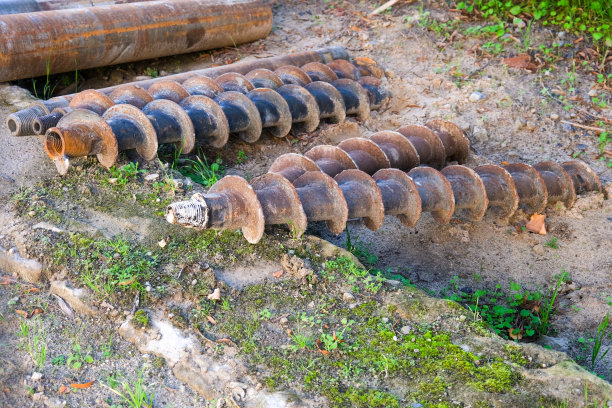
x,y
54,144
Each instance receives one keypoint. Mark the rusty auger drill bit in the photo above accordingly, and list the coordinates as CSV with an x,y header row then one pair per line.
x,y
280,107
20,123
297,191
334,98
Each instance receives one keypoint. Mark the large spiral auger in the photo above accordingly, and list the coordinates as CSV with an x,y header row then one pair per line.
x,y
369,178
205,111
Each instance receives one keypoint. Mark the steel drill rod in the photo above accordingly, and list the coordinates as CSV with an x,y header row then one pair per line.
x,y
32,6
35,44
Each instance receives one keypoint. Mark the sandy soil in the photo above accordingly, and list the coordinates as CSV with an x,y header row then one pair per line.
x,y
430,76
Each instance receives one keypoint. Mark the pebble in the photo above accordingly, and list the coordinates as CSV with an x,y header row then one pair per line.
x,y
539,249
36,376
151,177
283,320
480,134
406,329
554,116
531,126
38,396
477,96
592,93
193,282
162,243
348,297
31,213
567,127
462,318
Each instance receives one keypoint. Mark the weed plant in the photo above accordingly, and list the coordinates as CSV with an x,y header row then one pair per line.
x,y
592,17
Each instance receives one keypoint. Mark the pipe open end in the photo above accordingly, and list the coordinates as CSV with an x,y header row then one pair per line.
x,y
54,143
37,126
12,125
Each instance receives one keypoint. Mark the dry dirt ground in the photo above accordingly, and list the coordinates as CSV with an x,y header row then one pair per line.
x,y
435,61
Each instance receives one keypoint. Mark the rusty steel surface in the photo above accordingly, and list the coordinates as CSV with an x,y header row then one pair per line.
x,y
65,40
31,6
298,186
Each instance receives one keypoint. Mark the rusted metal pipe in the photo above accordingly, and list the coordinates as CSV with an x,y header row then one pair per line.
x,y
35,44
31,6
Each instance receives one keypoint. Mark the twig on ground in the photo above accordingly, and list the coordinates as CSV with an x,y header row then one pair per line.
x,y
383,7
578,125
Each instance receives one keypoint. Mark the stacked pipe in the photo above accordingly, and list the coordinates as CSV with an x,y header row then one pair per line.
x,y
208,111
55,41
31,6
21,123
366,179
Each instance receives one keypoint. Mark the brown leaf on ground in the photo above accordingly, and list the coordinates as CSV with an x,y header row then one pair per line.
x,y
536,224
82,386
211,319
30,290
278,274
63,389
22,313
514,336
36,311
520,61
126,282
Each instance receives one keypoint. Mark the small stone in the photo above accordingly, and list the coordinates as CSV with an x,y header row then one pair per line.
x,y
283,320
193,282
477,96
554,116
348,297
31,213
162,243
567,127
148,288
531,126
216,295
417,350
112,180
38,396
163,73
151,177
480,134
539,249
462,318
406,329
311,305
36,376
593,93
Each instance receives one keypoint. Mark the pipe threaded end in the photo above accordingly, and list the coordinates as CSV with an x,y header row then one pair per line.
x,y
21,123
54,144
191,214
43,123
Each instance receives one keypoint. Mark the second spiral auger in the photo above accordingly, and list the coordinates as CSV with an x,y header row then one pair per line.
x,y
231,104
40,116
335,188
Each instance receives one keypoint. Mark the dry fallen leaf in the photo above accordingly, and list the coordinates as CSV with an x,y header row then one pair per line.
x,y
82,386
211,319
30,290
278,274
216,295
520,61
36,311
505,163
126,282
514,336
63,389
536,224
22,313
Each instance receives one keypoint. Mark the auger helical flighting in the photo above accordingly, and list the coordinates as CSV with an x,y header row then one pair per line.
x,y
231,104
355,181
24,122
